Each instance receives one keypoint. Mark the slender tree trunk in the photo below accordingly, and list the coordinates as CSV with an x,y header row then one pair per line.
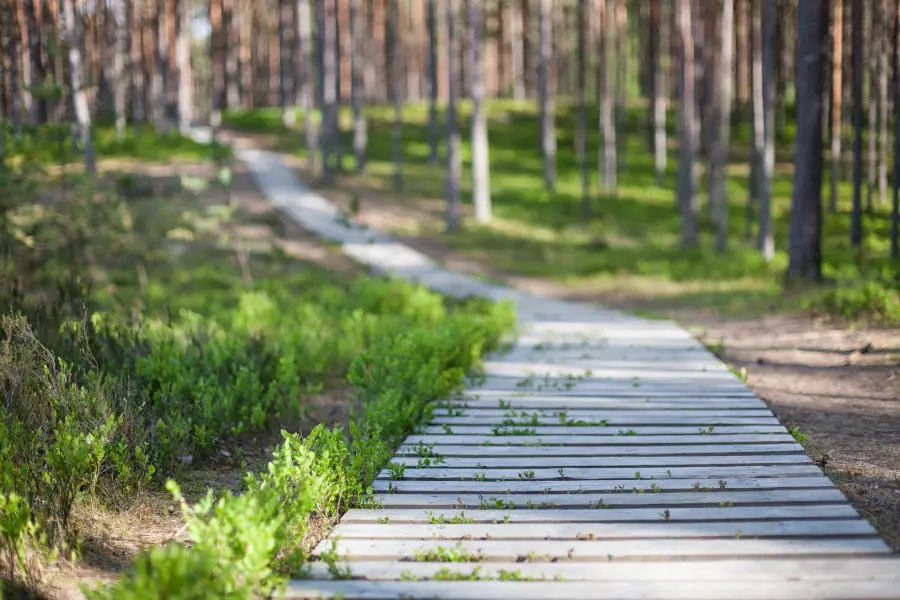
x,y
836,97
356,86
453,159
607,99
185,73
856,230
883,107
547,94
304,87
396,94
37,38
286,94
338,99
719,159
742,57
24,40
765,242
687,195
805,261
119,67
517,41
895,209
481,185
217,62
757,131
660,98
138,113
581,133
14,99
871,43
160,69
432,83
74,35
329,74
245,53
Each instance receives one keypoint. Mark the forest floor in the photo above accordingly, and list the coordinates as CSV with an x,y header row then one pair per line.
x,y
836,380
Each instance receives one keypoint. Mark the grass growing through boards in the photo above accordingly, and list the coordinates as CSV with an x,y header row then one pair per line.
x,y
627,251
139,336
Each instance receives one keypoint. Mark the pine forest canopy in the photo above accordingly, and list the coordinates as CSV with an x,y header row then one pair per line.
x,y
773,79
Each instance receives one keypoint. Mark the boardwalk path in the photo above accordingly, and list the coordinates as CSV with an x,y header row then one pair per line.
x,y
605,456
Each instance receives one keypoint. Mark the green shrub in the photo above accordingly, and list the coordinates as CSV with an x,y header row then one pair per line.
x,y
876,301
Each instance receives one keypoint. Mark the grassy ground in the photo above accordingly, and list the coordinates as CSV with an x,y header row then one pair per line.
x,y
628,250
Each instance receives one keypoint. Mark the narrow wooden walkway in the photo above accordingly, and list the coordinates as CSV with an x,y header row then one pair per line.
x,y
604,456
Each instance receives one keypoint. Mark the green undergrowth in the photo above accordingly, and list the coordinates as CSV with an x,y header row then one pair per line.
x,y
136,341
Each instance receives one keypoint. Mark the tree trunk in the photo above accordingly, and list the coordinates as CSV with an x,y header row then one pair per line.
x,y
217,61
25,33
245,53
757,124
329,74
765,241
74,35
37,37
433,83
719,159
607,19
517,41
836,97
356,58
806,204
396,94
581,133
687,197
138,110
336,114
895,209
183,59
481,185
871,43
14,100
882,46
547,94
286,43
160,69
453,159
304,88
119,67
856,229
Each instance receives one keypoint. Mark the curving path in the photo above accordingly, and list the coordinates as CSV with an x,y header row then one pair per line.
x,y
604,456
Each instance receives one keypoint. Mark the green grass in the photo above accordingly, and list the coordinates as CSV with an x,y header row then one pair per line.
x,y
628,249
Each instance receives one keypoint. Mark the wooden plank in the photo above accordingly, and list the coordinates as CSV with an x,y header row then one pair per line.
x,y
619,515
622,403
781,570
609,430
567,462
608,531
559,386
542,370
573,451
614,418
518,485
548,550
582,474
613,500
614,590
625,437
556,417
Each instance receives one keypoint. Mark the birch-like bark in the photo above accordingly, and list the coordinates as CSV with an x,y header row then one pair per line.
x,y
765,240
687,195
454,167
74,33
432,83
547,95
119,68
356,86
719,158
481,184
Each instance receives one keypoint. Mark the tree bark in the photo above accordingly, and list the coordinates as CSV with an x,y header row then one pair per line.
x,y
895,209
607,100
396,94
805,261
547,94
856,230
14,100
453,158
871,43
183,59
25,33
119,67
765,241
517,42
432,83
304,88
836,97
74,35
659,36
757,131
286,86
338,99
687,198
581,133
160,69
217,60
329,74
719,159
138,112
883,107
356,86
481,185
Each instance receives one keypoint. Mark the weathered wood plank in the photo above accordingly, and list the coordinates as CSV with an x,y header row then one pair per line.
x,y
750,570
610,418
604,550
610,430
567,462
572,451
522,484
613,500
588,414
607,531
609,473
541,370
622,403
613,590
624,437
619,515
599,387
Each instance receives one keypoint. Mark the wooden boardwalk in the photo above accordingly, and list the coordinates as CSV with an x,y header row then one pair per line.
x,y
605,456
